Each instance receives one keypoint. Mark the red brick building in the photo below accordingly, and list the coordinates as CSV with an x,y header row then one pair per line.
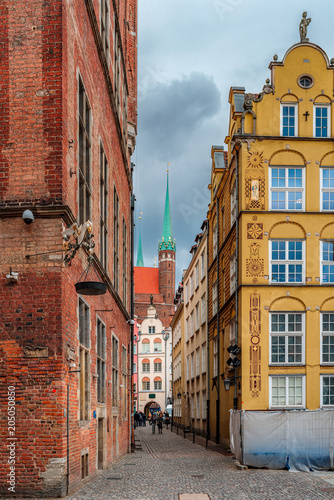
x,y
68,105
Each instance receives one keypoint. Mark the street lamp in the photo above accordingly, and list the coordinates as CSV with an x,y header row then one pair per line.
x,y
165,336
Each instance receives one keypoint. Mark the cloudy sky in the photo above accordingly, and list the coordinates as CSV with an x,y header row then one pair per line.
x,y
190,52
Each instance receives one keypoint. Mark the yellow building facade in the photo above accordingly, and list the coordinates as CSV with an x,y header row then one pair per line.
x,y
271,245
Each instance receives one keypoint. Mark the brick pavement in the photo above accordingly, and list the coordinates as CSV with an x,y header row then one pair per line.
x,y
169,466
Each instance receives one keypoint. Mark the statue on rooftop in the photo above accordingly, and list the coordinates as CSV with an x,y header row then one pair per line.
x,y
303,27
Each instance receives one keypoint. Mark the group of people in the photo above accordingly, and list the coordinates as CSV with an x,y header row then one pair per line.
x,y
139,418
157,419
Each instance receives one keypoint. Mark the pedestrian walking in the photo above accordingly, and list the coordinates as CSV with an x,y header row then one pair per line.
x,y
144,419
167,419
140,419
154,421
136,419
160,422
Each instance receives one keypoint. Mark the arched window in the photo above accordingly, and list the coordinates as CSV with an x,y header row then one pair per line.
x,y
145,346
157,383
146,384
157,365
157,345
145,366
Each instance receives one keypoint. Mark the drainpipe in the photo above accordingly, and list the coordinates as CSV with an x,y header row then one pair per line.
x,y
236,270
68,436
218,333
131,420
207,344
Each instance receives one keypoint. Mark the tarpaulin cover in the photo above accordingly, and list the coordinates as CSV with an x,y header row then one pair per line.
x,y
296,440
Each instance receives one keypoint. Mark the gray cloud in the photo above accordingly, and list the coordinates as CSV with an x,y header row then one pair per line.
x,y
171,112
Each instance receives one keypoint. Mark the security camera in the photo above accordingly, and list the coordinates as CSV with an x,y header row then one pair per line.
x,y
28,217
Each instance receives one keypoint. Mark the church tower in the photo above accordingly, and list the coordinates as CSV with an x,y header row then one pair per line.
x,y
167,250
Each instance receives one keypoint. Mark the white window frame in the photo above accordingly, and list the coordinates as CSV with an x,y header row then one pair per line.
x,y
198,406
233,275
325,262
187,292
214,297
203,309
286,262
214,240
157,385
294,105
197,317
147,368
202,265
325,190
157,367
286,334
330,375
197,275
204,357
325,334
151,329
157,346
286,189
192,366
187,329
328,107
197,362
286,377
192,324
147,348
203,405
188,368
191,285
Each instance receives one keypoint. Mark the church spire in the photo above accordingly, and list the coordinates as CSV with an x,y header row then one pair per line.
x,y
140,258
167,242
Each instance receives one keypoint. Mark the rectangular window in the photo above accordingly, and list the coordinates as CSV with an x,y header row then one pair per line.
x,y
203,309
145,348
233,276
105,27
197,317
101,362
321,121
157,367
151,329
287,259
134,367
192,326
215,357
157,385
124,382
202,265
289,120
117,72
197,362
327,189
233,203
286,188
191,285
203,405
214,240
84,340
232,330
192,368
327,390
196,275
84,466
84,146
204,357
116,239
187,292
146,386
198,406
146,367
327,337
187,329
287,333
157,345
287,391
115,369
214,298
188,368
327,262
125,264
134,348
104,208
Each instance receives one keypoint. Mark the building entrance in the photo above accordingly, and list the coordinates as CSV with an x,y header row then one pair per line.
x,y
152,408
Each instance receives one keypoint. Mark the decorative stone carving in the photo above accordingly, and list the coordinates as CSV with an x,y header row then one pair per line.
x,y
31,351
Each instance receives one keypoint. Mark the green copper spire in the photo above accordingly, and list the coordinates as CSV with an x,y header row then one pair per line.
x,y
140,258
167,242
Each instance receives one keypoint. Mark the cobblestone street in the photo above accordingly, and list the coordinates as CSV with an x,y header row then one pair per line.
x,y
171,468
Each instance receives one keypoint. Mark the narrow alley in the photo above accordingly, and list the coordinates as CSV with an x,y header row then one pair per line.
x,y
170,467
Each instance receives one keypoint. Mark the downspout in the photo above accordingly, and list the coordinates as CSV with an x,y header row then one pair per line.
x,y
236,269
131,420
68,435
218,333
207,343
